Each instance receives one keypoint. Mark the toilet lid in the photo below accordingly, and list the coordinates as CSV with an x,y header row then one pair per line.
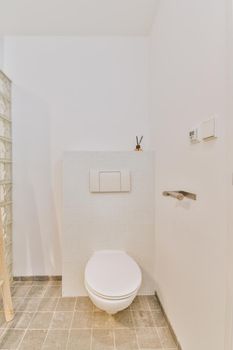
x,y
112,274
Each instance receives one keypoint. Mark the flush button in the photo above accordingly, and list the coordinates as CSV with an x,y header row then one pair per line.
x,y
109,180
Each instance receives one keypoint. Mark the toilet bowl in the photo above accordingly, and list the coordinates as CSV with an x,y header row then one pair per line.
x,y
112,280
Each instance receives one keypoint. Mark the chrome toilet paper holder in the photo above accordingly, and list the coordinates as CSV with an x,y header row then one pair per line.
x,y
180,195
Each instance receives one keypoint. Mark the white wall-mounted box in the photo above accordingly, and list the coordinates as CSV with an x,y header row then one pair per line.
x,y
208,129
194,135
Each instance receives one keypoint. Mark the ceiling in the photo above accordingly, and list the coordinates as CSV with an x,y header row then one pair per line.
x,y
76,17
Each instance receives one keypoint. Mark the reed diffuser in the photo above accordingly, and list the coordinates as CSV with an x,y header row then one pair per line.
x,y
138,144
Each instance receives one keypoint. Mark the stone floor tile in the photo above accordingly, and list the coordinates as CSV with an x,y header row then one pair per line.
x,y
84,304
160,320
148,338
122,319
102,339
66,304
41,320
20,290
48,304
61,320
21,283
153,302
142,319
17,301
33,340
125,339
79,339
29,304
3,323
11,339
82,320
21,320
36,291
140,303
53,292
56,340
101,320
166,337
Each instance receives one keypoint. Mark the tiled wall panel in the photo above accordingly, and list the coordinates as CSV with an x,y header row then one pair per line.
x,y
96,221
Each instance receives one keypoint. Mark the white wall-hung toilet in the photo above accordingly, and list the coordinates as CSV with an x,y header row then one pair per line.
x,y
112,280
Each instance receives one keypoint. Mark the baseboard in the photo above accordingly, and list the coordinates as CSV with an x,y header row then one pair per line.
x,y
169,323
37,278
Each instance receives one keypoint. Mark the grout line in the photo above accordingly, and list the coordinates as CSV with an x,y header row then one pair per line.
x,y
49,324
42,345
114,338
33,314
21,339
69,330
169,326
3,333
159,337
136,338
148,304
91,338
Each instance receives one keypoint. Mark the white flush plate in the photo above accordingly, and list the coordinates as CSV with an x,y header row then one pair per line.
x,y
109,180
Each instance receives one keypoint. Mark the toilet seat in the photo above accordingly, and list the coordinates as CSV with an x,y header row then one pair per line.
x,y
106,296
112,274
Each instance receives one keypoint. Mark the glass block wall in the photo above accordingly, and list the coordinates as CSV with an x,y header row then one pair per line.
x,y
6,167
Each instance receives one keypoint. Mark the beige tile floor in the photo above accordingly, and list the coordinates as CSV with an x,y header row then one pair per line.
x,y
45,320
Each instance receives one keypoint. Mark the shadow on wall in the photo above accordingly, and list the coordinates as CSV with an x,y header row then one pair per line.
x,y
36,243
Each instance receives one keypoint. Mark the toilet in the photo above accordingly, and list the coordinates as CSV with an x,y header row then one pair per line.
x,y
112,280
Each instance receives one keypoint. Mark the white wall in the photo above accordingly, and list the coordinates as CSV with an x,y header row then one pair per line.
x,y
229,307
96,221
188,67
68,94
